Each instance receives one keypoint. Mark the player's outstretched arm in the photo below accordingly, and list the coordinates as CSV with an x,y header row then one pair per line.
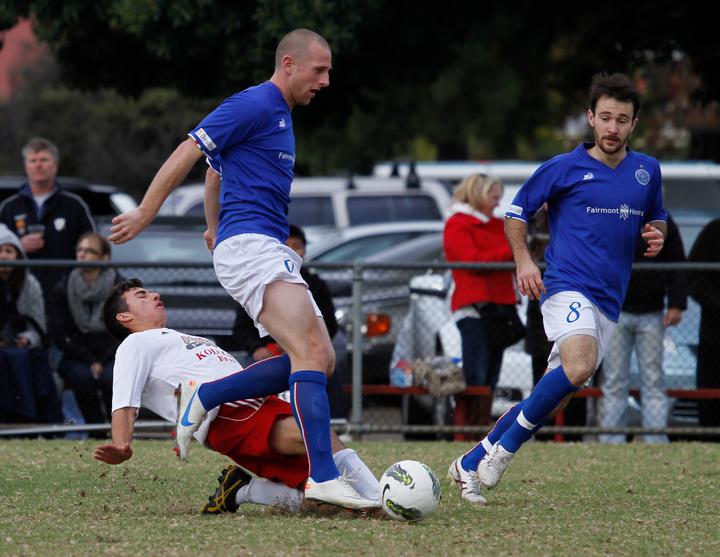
x,y
654,235
528,275
123,425
212,206
128,225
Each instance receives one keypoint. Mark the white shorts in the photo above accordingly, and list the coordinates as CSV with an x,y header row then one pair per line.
x,y
570,313
245,264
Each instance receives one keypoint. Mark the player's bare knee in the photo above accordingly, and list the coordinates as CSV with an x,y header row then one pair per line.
x,y
579,373
322,354
285,437
579,358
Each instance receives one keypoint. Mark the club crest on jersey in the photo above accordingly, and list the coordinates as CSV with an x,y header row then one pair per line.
x,y
642,176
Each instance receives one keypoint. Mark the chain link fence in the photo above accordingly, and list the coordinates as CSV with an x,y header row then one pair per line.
x,y
656,380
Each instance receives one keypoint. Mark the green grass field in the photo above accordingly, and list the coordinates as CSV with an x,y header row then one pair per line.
x,y
574,499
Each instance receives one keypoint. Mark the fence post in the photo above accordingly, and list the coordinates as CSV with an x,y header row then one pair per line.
x,y
357,346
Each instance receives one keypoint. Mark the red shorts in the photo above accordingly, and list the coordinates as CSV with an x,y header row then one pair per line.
x,y
241,431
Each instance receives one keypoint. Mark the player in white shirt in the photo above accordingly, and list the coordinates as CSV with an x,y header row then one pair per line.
x,y
260,434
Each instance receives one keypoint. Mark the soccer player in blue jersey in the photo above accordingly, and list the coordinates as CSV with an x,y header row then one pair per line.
x,y
599,197
249,143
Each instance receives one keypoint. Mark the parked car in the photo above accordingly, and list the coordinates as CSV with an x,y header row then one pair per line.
x,y
359,243
429,330
339,202
103,200
687,185
196,303
384,292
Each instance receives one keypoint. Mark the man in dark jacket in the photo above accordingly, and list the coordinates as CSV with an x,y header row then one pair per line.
x,y
642,327
48,220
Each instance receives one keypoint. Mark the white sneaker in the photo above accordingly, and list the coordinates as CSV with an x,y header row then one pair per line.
x,y
338,492
191,414
467,482
493,466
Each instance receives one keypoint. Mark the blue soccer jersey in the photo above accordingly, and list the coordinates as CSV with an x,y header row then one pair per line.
x,y
249,141
595,214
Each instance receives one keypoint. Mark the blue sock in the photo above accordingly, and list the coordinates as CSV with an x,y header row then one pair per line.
x,y
545,397
267,377
473,457
312,413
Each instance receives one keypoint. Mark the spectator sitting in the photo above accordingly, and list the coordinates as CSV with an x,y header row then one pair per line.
x,y
22,313
76,317
27,390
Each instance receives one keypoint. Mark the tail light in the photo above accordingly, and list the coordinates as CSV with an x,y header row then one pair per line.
x,y
377,324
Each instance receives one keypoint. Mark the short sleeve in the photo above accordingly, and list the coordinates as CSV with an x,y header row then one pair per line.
x,y
538,189
655,210
133,363
229,124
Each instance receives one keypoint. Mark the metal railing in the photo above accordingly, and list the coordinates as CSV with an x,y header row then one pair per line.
x,y
370,284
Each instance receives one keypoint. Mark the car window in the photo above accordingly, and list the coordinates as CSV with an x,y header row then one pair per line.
x,y
159,246
197,210
689,231
360,249
684,194
311,211
99,203
370,209
428,247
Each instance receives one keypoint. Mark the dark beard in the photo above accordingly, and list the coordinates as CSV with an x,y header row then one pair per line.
x,y
615,151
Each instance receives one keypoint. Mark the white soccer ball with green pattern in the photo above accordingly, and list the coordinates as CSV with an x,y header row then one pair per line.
x,y
409,490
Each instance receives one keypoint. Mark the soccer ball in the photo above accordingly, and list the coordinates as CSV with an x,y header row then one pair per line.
x,y
409,490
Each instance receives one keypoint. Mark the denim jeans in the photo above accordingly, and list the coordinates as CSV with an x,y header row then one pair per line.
x,y
643,332
87,389
480,365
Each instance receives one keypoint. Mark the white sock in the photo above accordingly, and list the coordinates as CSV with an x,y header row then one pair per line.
x,y
366,484
264,492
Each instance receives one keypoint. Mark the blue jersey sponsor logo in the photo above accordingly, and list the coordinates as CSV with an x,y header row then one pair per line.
x,y
624,211
289,265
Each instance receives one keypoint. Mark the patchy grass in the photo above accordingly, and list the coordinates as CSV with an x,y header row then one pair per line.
x,y
574,499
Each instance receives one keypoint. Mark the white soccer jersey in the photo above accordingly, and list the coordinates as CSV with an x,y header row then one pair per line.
x,y
150,365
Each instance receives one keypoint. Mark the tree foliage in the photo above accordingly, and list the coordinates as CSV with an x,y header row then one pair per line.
x,y
104,137
455,79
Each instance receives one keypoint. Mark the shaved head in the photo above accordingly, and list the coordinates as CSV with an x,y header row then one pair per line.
x,y
296,43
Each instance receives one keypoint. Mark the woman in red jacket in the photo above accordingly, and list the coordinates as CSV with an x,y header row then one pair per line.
x,y
473,234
